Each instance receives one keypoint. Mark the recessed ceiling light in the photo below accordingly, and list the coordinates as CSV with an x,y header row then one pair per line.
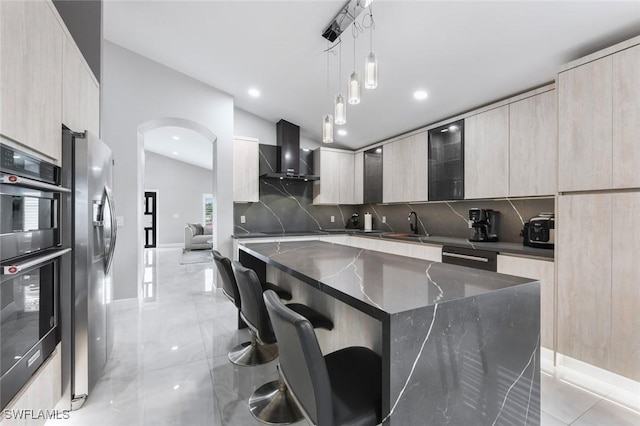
x,y
175,152
253,92
342,132
378,150
453,128
420,94
175,138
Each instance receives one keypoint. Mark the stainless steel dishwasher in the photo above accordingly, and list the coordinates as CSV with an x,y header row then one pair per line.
x,y
472,258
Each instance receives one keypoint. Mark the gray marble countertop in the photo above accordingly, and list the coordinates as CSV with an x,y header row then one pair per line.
x,y
498,247
377,283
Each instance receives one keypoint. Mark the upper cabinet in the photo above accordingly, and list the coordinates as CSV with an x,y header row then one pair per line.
x,y
599,111
80,92
373,176
585,129
626,118
404,169
336,169
486,154
246,169
31,86
533,145
358,178
446,162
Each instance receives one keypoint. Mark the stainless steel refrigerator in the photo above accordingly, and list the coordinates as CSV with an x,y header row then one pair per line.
x,y
90,230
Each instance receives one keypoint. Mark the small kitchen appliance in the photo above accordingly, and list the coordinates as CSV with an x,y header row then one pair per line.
x,y
539,231
484,223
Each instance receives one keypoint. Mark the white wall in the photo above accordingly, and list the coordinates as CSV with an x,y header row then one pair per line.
x,y
249,125
136,91
179,201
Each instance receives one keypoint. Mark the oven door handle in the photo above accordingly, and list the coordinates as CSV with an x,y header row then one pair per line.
x,y
18,267
31,183
465,257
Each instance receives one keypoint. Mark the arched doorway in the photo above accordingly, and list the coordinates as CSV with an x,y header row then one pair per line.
x,y
177,168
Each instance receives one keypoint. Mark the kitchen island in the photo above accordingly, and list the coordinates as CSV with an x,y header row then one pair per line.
x,y
459,346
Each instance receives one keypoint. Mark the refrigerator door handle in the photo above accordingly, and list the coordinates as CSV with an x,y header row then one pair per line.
x,y
110,205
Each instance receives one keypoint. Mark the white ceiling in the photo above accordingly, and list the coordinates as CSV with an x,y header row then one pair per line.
x,y
465,54
180,144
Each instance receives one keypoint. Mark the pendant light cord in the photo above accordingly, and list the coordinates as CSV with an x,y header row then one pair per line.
x,y
328,50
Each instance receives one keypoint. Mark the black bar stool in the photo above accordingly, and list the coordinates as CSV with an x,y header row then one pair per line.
x,y
341,388
246,353
271,402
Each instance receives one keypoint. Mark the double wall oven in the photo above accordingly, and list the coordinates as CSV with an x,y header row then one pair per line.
x,y
31,261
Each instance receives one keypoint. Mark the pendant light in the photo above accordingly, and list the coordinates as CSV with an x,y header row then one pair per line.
x,y
371,62
327,119
354,82
327,128
341,107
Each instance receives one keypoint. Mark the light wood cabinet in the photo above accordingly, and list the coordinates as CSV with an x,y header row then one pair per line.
x,y
392,172
583,255
358,178
597,269
246,169
584,131
542,270
625,288
347,178
626,118
336,171
31,85
80,93
486,154
533,146
405,170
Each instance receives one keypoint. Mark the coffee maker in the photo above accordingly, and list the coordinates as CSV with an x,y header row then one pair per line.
x,y
485,224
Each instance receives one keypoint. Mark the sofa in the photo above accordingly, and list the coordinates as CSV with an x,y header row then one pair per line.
x,y
197,237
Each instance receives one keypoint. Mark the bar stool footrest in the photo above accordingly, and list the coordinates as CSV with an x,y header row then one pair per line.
x,y
316,319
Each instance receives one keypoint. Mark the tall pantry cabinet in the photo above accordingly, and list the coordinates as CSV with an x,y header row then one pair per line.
x,y
599,209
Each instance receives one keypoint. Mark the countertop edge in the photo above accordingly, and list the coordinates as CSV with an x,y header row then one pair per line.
x,y
498,247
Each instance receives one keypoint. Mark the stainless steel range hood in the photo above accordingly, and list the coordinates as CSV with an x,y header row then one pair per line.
x,y
288,141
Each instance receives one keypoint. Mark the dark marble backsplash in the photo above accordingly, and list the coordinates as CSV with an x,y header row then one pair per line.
x,y
286,206
450,219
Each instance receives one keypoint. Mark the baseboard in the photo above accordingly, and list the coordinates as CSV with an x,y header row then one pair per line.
x,y
613,387
170,245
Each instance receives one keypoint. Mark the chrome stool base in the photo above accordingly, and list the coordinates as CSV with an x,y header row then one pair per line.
x,y
250,353
272,403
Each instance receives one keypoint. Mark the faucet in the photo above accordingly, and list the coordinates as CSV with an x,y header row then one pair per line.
x,y
414,224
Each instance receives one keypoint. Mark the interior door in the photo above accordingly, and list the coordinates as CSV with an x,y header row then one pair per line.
x,y
149,219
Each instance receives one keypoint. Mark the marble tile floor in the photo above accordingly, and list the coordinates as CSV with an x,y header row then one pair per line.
x,y
169,364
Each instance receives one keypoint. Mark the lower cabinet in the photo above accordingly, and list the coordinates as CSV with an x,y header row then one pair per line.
x,y
417,251
542,270
598,270
625,285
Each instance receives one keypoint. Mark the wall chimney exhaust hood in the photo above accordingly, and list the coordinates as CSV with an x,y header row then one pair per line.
x,y
288,142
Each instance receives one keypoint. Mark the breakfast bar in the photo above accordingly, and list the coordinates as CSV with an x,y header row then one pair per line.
x,y
459,346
